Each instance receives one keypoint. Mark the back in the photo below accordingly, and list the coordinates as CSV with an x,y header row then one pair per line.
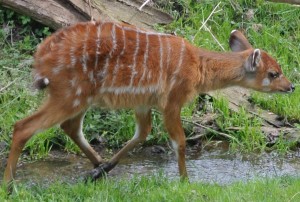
x,y
113,65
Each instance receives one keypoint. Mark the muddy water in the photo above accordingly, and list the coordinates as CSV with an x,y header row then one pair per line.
x,y
213,164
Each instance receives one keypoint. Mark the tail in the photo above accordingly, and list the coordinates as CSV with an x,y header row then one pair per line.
x,y
41,83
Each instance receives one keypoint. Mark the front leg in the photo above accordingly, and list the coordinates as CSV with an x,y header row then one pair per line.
x,y
172,120
143,128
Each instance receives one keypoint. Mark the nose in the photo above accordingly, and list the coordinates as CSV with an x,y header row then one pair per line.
x,y
292,87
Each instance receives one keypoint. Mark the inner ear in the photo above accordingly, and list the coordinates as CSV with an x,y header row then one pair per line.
x,y
253,61
256,57
238,42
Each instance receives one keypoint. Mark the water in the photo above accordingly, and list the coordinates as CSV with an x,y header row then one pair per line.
x,y
209,165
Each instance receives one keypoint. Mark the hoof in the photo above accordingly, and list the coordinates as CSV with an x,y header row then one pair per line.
x,y
98,172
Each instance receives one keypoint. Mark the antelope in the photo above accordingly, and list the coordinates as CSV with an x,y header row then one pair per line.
x,y
114,65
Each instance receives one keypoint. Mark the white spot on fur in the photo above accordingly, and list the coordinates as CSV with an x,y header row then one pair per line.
x,y
266,82
233,31
73,82
78,91
56,70
76,102
46,81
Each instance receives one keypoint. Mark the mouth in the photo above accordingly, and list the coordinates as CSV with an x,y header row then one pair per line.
x,y
286,91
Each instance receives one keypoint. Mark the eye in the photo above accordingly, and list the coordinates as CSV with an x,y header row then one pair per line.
x,y
273,75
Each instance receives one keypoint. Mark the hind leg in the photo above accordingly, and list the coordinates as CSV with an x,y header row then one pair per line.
x,y
73,128
50,114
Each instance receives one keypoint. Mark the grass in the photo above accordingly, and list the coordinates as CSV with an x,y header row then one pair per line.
x,y
159,188
273,27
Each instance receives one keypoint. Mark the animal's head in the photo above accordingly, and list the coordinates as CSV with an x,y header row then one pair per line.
x,y
262,72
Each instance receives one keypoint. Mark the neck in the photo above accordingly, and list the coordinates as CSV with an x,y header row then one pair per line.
x,y
220,70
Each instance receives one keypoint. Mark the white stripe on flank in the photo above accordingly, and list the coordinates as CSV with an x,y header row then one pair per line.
x,y
105,69
169,52
137,47
130,89
141,31
85,55
114,40
178,68
73,58
115,72
146,54
124,41
117,65
161,50
91,76
60,63
98,41
107,60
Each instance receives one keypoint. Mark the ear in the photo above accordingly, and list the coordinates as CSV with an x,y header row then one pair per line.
x,y
253,61
238,41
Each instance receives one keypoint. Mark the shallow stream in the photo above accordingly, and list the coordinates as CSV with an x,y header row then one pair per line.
x,y
214,164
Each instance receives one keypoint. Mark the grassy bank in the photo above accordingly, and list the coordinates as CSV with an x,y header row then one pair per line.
x,y
273,27
159,188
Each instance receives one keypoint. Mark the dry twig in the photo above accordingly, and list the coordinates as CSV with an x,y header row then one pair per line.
x,y
144,4
204,23
8,85
212,130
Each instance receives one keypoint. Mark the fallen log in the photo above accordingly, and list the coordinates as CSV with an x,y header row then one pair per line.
x,y
59,13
